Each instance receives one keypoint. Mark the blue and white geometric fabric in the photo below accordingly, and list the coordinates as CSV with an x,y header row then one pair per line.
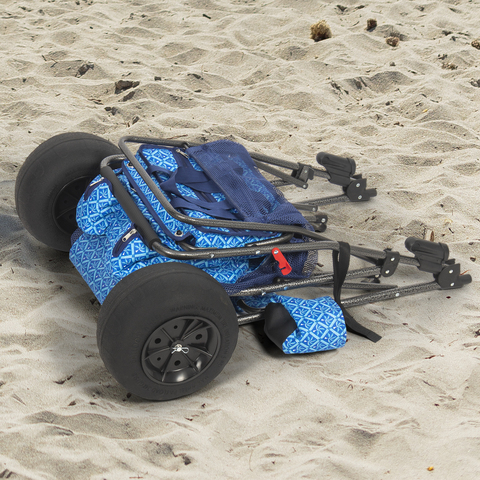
x,y
110,247
96,207
103,260
320,322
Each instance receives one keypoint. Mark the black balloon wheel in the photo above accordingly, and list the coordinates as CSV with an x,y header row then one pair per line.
x,y
180,349
52,180
65,205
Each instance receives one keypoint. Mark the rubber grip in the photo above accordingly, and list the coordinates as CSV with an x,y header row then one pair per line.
x,y
340,169
431,255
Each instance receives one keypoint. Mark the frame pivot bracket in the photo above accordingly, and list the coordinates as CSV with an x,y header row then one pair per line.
x,y
303,173
390,263
450,276
357,190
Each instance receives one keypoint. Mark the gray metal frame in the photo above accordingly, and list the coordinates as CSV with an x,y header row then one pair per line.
x,y
379,292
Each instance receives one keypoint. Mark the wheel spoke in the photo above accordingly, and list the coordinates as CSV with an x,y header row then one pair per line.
x,y
187,326
66,204
204,351
165,371
192,363
198,327
66,212
155,357
157,351
167,335
71,193
192,327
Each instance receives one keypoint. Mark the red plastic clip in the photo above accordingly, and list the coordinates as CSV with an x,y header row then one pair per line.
x,y
284,266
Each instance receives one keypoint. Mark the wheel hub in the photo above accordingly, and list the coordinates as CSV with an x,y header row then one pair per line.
x,y
180,349
65,204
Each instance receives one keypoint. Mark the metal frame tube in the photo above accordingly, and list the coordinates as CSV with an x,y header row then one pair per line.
x,y
323,243
313,280
362,299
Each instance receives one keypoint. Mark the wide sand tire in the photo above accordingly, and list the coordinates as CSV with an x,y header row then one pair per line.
x,y
166,331
51,182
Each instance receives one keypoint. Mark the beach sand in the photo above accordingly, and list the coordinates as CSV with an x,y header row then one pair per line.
x,y
407,407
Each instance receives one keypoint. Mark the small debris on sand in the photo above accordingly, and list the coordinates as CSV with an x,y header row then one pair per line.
x,y
371,24
320,31
392,41
128,96
122,85
449,66
84,69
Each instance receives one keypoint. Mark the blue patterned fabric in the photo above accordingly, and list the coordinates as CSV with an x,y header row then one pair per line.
x,y
103,258
97,208
110,249
320,322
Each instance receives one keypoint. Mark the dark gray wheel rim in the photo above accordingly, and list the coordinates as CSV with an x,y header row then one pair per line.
x,y
65,205
180,350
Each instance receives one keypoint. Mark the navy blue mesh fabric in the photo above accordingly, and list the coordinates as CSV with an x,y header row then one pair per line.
x,y
230,166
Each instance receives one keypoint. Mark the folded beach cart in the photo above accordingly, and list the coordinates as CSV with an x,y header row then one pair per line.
x,y
182,243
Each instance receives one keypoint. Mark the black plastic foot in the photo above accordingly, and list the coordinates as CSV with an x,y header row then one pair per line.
x,y
450,277
433,258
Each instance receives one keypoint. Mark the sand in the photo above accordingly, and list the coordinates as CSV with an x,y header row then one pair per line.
x,y
407,407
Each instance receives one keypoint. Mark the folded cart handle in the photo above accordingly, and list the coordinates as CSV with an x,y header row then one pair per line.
x,y
340,169
431,256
